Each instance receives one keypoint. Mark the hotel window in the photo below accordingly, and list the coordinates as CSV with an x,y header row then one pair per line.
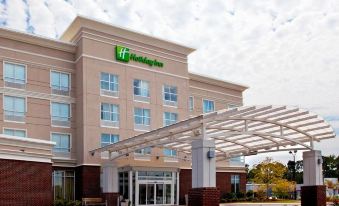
x,y
141,90
107,139
63,185
208,106
191,103
144,151
123,184
15,132
109,84
170,152
15,75
170,118
170,94
15,108
110,115
142,118
60,83
61,114
63,143
235,183
231,106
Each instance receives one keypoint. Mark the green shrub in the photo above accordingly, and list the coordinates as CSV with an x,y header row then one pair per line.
x,y
240,195
62,202
249,193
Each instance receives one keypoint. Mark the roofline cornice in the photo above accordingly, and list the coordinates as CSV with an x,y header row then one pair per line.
x,y
217,82
37,40
101,26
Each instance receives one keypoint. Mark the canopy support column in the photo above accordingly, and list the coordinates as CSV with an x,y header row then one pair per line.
x,y
110,180
313,193
204,191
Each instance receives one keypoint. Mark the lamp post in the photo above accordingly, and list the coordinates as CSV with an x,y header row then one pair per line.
x,y
294,170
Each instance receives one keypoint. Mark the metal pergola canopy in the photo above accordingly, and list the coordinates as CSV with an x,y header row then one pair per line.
x,y
240,131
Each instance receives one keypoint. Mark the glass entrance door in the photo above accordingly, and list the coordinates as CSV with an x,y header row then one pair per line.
x,y
155,188
154,194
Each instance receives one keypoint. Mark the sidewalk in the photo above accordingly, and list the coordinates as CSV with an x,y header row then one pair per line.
x,y
261,204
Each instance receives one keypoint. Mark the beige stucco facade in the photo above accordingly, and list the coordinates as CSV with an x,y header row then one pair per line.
x,y
85,50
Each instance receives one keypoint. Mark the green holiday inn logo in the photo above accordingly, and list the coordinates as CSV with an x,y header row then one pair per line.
x,y
123,54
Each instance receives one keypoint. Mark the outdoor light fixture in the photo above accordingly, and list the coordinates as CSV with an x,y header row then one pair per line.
x,y
210,154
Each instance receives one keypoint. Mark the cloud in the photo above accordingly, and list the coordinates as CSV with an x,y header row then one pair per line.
x,y
15,14
286,51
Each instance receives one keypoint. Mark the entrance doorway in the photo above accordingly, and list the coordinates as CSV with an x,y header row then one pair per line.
x,y
158,193
156,188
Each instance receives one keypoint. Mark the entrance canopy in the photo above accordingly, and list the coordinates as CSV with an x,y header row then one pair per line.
x,y
237,132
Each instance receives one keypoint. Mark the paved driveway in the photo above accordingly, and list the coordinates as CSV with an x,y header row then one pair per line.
x,y
263,204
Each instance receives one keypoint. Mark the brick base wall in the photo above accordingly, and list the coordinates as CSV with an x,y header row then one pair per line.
x,y
25,183
111,198
185,184
223,183
206,196
313,195
87,182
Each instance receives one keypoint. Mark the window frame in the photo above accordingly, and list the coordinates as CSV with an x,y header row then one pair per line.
x,y
143,117
64,176
142,151
189,103
4,111
203,106
110,112
69,81
141,84
171,151
110,137
51,113
9,62
109,82
163,95
232,106
70,142
236,182
170,114
10,128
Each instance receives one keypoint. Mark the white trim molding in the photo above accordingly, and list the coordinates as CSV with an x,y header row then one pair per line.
x,y
38,95
25,149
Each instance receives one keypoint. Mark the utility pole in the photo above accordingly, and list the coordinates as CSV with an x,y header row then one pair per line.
x,y
294,171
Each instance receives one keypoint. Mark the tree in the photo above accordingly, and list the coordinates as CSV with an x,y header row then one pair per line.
x,y
298,171
268,172
330,166
282,188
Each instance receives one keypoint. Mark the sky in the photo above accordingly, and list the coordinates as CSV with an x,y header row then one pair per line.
x,y
286,51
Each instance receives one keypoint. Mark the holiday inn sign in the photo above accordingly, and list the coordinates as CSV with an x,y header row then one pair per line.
x,y
123,54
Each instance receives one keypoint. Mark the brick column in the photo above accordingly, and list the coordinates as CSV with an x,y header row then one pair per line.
x,y
205,196
313,193
87,182
110,181
111,198
204,191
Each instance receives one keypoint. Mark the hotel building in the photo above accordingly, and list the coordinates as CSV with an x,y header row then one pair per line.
x,y
96,85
